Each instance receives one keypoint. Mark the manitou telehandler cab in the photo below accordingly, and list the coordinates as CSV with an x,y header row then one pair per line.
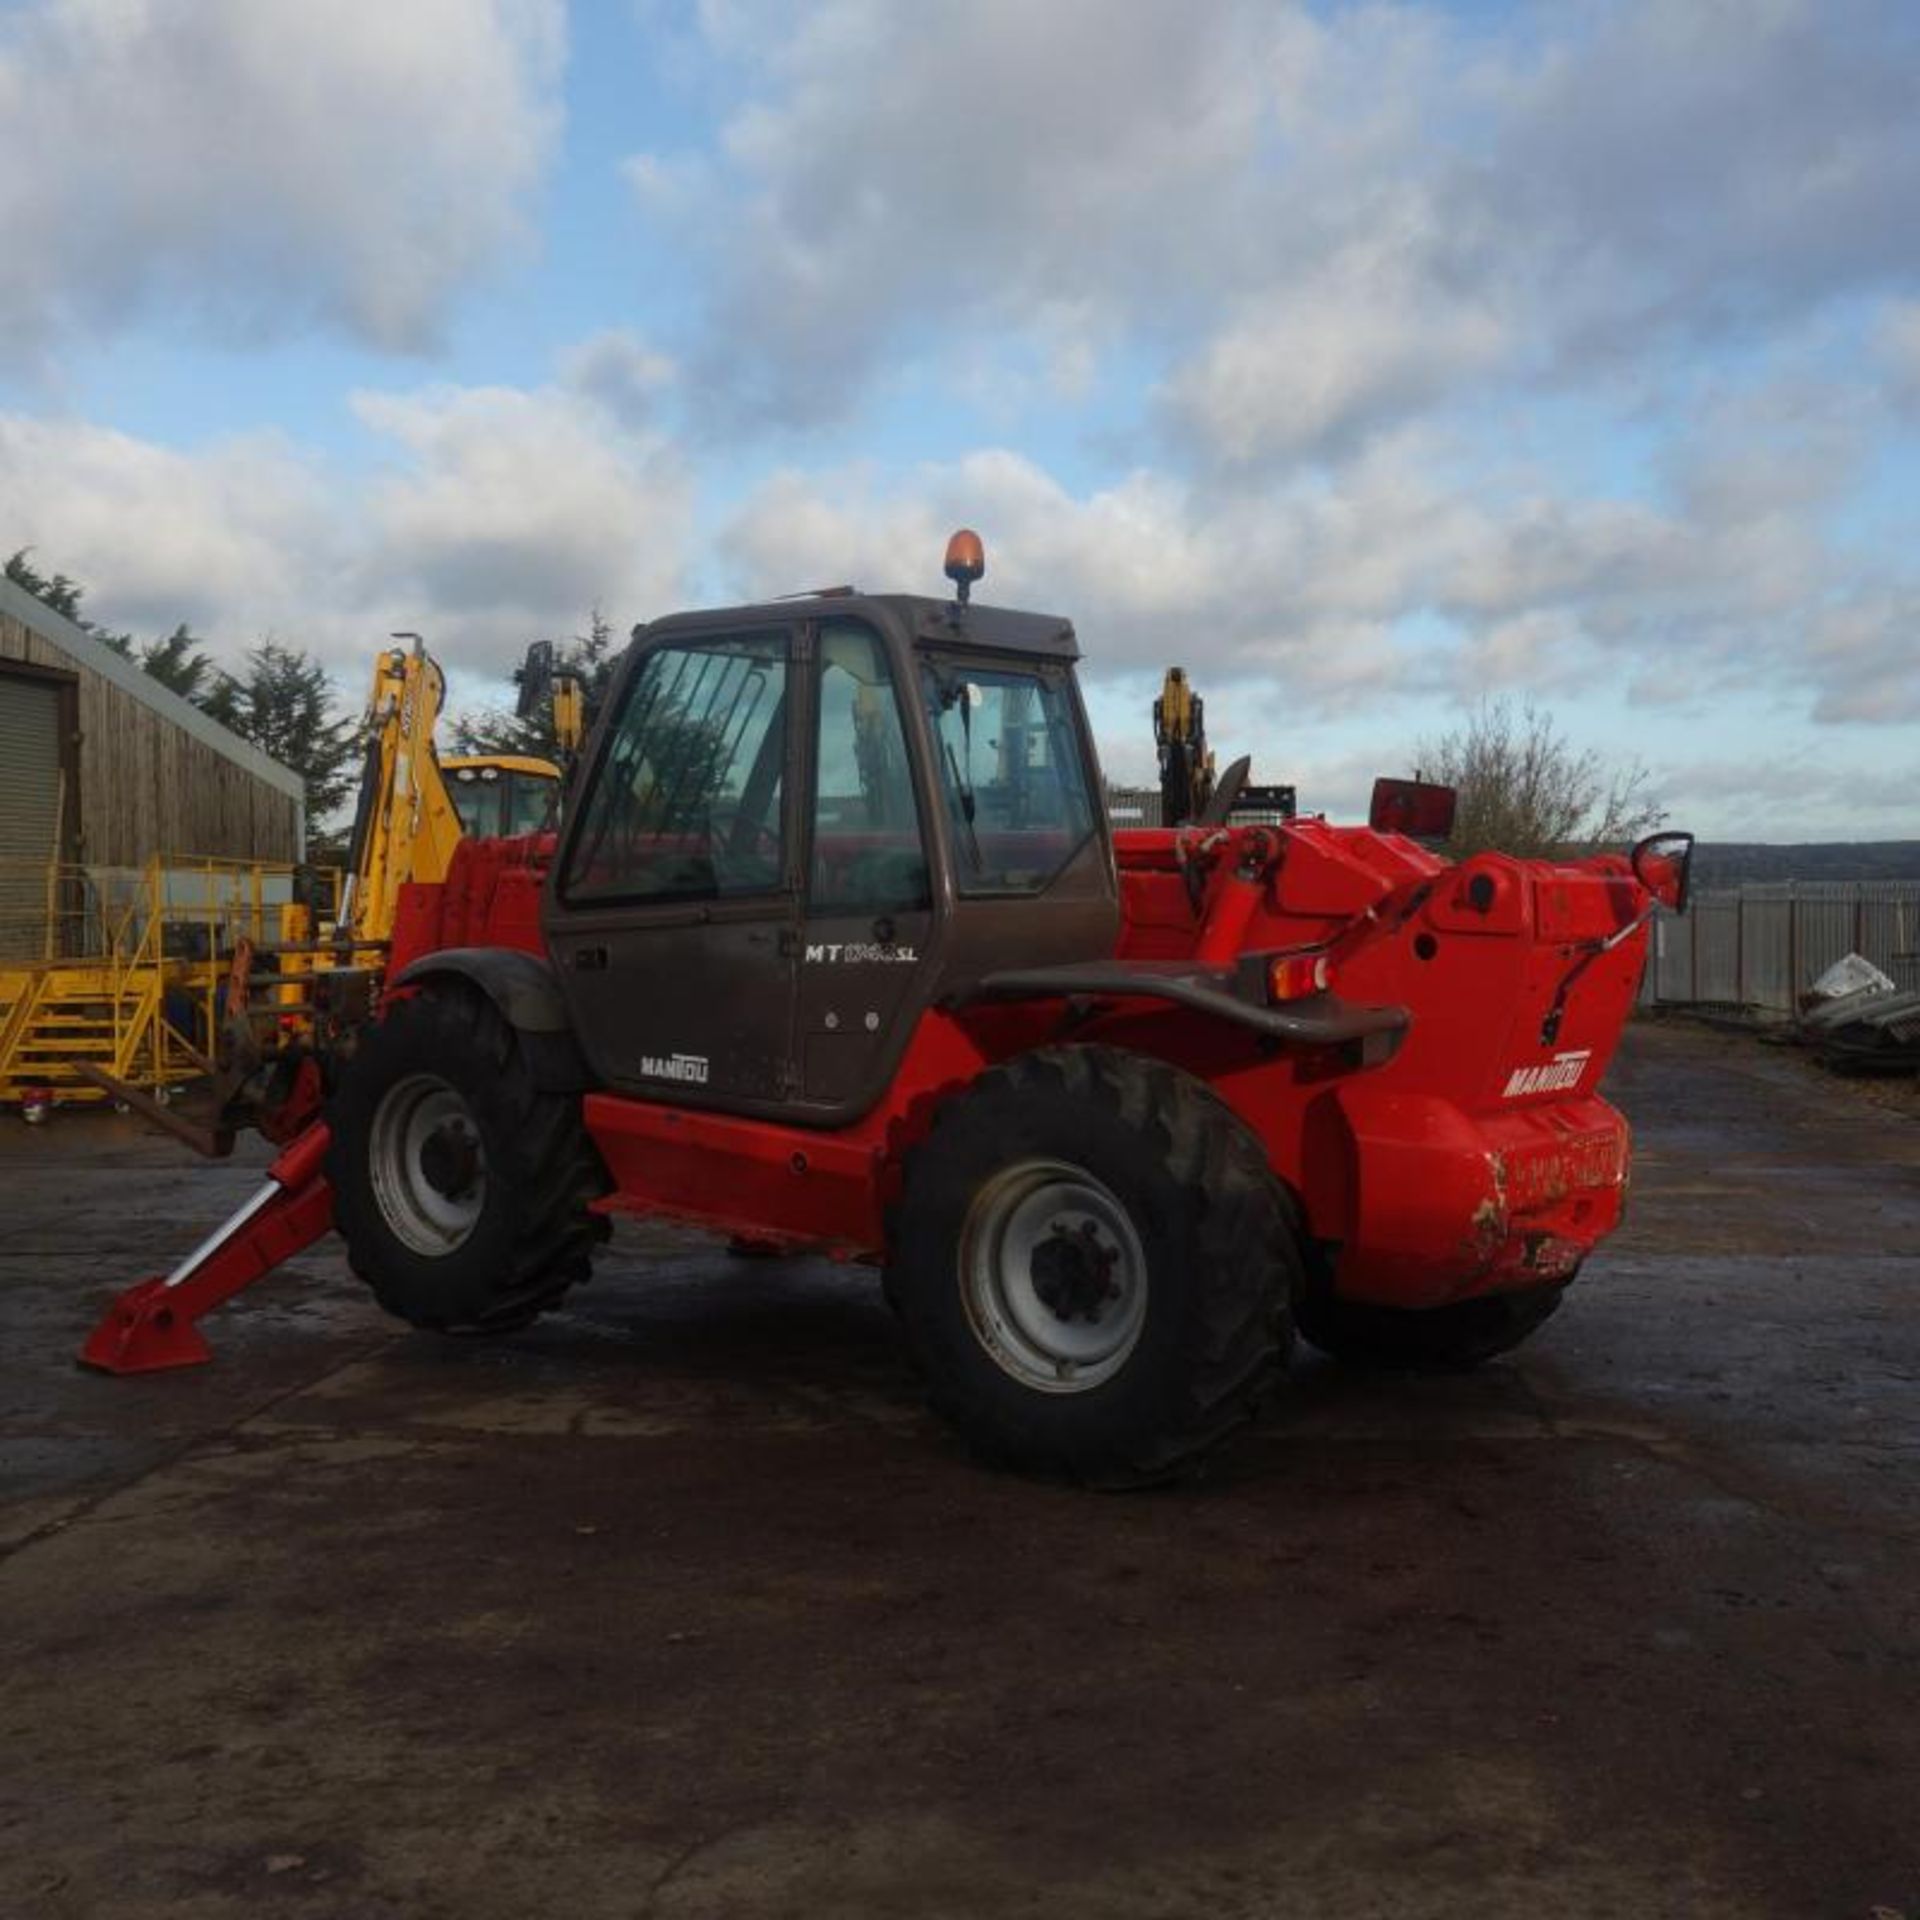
x,y
835,953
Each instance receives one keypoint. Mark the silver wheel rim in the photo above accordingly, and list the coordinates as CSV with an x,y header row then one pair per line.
x,y
427,1164
1054,1276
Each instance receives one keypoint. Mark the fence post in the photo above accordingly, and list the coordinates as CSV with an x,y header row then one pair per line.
x,y
1793,950
1740,948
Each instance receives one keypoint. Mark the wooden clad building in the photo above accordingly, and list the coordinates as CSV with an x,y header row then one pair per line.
x,y
102,765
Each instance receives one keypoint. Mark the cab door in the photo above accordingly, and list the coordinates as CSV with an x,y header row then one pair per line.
x,y
674,912
865,937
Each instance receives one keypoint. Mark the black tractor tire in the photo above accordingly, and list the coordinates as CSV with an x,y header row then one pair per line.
x,y
440,1092
1451,1339
1077,1171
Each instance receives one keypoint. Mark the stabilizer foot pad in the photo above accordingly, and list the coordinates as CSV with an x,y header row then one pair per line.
x,y
142,1333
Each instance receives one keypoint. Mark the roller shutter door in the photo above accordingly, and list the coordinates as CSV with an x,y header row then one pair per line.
x,y
29,810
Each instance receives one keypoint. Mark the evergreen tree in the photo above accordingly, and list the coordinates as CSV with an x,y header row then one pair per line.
x,y
63,594
282,700
178,662
591,657
58,592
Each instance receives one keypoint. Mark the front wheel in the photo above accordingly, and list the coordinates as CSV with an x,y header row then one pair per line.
x,y
460,1187
1093,1266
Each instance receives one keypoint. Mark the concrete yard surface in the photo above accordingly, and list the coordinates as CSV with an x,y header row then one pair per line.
x,y
679,1604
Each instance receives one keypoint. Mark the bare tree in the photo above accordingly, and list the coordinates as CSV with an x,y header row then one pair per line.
x,y
1526,790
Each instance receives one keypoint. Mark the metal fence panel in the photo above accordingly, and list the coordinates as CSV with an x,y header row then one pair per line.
x,y
1763,945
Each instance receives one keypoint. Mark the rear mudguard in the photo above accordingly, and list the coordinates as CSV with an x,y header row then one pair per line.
x,y
1447,1204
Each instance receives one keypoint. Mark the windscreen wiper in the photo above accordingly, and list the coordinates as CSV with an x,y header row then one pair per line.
x,y
974,857
953,692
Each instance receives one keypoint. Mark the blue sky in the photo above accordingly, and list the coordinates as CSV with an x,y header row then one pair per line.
x,y
1370,360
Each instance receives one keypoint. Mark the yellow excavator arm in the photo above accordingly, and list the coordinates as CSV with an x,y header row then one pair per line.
x,y
404,827
1180,736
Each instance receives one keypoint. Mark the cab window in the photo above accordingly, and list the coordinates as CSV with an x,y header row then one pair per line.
x,y
867,852
687,802
1012,776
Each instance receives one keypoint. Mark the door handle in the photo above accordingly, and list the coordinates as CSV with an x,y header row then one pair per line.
x,y
591,959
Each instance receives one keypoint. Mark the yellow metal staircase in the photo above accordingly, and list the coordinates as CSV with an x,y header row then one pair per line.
x,y
91,1012
110,1008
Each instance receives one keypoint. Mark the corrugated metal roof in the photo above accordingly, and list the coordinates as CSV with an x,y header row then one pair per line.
x,y
97,657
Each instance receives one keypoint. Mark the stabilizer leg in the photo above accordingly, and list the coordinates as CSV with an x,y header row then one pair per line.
x,y
151,1327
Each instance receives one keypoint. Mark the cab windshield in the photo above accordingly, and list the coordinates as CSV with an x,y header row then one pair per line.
x,y
1011,772
496,803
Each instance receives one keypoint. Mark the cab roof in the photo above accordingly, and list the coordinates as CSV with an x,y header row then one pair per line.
x,y
916,617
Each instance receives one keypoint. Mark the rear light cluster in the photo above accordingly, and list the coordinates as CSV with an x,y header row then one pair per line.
x,y
1292,976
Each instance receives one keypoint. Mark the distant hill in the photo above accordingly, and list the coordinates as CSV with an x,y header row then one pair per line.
x,y
1735,863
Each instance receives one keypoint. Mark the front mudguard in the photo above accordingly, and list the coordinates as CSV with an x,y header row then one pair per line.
x,y
526,995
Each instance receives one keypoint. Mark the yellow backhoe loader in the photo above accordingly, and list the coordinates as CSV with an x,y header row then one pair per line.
x,y
322,967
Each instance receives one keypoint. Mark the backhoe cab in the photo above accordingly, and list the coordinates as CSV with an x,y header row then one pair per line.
x,y
834,952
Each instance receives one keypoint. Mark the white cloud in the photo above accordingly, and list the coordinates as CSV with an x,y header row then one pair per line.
x,y
1369,334
1387,577
1863,651
1341,253
160,535
1698,164
972,162
496,516
1899,347
508,510
1320,224
1803,796
1305,585
620,372
266,165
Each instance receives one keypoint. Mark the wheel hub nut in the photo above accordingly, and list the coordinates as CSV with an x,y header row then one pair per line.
x,y
450,1161
1072,1272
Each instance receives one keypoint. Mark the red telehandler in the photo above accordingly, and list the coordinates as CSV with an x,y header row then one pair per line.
x,y
835,952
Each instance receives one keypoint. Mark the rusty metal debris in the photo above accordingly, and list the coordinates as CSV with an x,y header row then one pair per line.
x,y
1857,1020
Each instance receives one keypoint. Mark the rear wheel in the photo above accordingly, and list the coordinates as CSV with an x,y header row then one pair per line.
x,y
1452,1339
460,1188
1093,1265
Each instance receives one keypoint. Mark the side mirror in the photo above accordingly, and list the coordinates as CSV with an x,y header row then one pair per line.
x,y
1663,864
1421,809
535,680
